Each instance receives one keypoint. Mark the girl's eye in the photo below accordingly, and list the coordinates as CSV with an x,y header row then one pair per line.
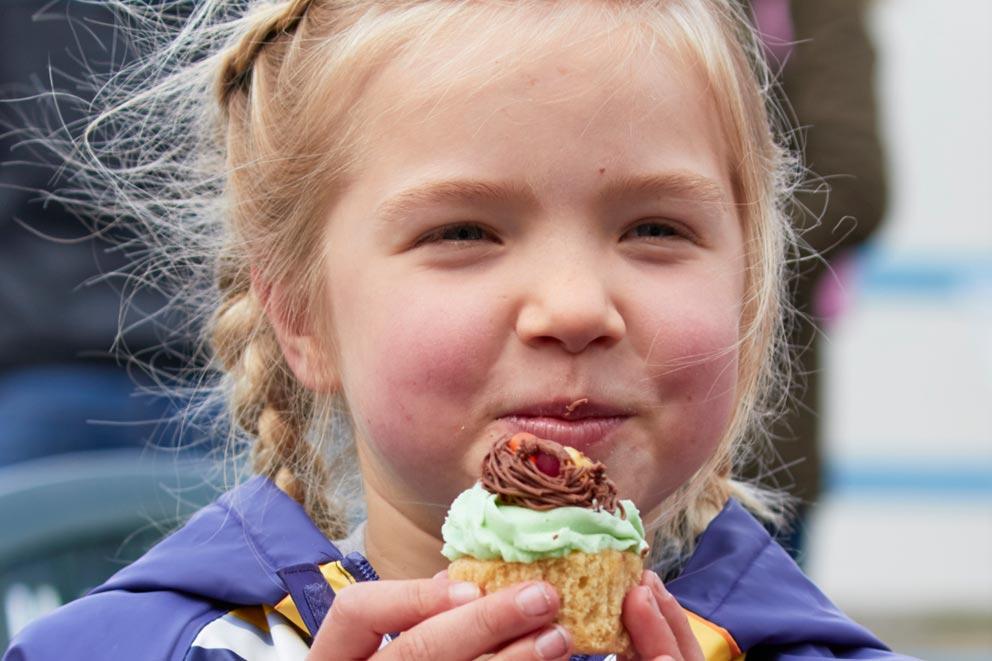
x,y
652,231
461,233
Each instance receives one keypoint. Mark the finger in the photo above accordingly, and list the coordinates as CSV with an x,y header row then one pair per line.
x,y
481,626
675,615
650,635
362,613
441,574
549,643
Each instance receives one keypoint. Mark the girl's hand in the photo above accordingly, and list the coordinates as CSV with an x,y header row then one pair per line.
x,y
441,619
658,627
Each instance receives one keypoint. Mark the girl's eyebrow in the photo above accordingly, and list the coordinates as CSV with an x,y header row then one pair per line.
x,y
452,191
676,184
673,184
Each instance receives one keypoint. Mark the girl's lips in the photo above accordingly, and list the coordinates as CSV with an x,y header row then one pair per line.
x,y
579,434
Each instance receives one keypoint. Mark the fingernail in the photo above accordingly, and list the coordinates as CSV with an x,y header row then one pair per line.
x,y
552,644
462,593
533,600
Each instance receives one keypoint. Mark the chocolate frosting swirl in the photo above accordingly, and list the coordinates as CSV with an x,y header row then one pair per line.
x,y
512,470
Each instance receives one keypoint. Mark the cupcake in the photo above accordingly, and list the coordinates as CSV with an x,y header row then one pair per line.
x,y
543,511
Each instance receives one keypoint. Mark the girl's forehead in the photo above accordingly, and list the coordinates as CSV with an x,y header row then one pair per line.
x,y
626,101
527,55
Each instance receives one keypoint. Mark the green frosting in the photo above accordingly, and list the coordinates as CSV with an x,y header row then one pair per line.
x,y
478,527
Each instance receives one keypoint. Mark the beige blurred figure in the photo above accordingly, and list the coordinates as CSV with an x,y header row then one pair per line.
x,y
827,64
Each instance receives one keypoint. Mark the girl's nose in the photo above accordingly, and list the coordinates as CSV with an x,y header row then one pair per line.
x,y
570,307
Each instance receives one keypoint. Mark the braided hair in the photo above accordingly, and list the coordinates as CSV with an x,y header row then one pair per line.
x,y
266,400
271,23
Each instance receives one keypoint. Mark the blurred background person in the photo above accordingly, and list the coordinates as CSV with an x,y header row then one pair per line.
x,y
827,74
72,349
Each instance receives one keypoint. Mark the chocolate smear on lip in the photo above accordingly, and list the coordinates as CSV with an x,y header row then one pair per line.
x,y
574,405
539,474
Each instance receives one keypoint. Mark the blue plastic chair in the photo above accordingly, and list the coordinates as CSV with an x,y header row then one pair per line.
x,y
70,521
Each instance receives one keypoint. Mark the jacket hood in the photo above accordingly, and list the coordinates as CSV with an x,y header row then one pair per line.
x,y
231,550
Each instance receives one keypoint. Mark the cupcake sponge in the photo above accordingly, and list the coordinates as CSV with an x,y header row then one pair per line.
x,y
591,586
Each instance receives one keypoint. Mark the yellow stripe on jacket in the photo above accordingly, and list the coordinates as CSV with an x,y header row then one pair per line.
x,y
717,643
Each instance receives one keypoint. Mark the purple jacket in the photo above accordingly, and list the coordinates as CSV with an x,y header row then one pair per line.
x,y
250,577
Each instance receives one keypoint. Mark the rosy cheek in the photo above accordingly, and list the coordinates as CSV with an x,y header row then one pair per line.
x,y
706,401
411,381
433,351
686,337
691,365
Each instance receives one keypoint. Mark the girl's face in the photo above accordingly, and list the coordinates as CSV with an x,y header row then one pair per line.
x,y
551,250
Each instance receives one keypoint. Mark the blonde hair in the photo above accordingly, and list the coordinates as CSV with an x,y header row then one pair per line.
x,y
227,143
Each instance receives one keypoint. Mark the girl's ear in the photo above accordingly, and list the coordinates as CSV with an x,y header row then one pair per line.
x,y
304,352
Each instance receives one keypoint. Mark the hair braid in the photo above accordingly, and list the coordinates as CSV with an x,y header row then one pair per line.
x,y
237,65
267,401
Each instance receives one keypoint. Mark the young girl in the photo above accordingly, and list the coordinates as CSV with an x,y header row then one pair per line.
x,y
433,223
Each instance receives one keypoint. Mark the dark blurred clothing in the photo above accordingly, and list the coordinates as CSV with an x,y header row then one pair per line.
x,y
829,80
59,314
50,312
